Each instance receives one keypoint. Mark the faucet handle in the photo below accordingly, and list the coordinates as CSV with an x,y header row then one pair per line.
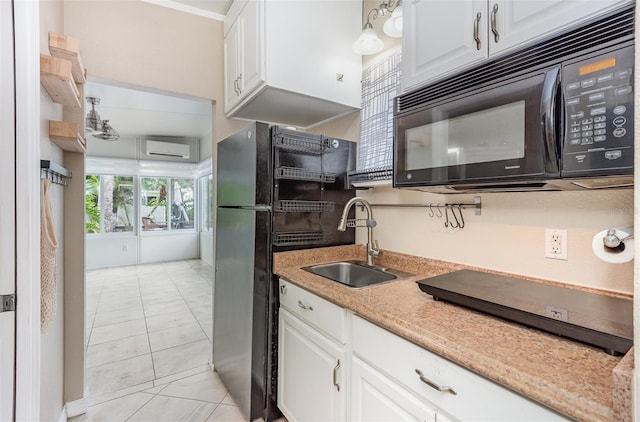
x,y
375,249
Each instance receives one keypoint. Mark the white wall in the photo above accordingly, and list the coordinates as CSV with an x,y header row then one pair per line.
x,y
509,235
206,247
111,251
169,247
52,339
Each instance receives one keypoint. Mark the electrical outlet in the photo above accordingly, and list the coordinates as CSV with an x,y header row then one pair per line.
x,y
555,244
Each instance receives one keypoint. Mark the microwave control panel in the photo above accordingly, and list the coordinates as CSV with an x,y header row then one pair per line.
x,y
598,101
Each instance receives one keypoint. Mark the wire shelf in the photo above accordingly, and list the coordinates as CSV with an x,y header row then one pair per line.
x,y
301,144
360,178
295,173
298,238
304,206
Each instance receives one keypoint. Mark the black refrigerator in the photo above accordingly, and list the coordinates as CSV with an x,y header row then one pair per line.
x,y
277,190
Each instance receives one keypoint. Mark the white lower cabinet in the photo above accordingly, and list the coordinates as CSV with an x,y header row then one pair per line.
x,y
375,397
455,392
328,372
312,366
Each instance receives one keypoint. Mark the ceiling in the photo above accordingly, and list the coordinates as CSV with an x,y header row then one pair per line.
x,y
215,6
135,113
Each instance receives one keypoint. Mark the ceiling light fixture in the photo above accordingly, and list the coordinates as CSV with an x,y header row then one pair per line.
x,y
99,128
368,41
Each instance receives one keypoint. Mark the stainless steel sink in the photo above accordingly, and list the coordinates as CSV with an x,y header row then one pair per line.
x,y
355,274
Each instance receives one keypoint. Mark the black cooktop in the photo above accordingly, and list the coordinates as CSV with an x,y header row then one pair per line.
x,y
592,318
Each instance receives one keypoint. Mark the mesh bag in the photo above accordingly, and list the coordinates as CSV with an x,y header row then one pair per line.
x,y
48,246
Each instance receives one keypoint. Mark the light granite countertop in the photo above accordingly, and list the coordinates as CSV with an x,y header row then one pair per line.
x,y
570,377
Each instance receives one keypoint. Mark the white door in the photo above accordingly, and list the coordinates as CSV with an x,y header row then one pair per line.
x,y
517,22
7,212
440,37
311,373
374,397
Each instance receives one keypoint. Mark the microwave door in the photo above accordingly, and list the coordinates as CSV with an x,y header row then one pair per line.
x,y
491,134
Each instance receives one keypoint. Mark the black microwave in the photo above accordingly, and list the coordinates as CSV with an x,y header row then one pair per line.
x,y
557,115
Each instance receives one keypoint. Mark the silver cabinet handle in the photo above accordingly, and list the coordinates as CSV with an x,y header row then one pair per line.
x,y
494,26
335,376
476,31
283,290
434,385
235,86
239,79
303,306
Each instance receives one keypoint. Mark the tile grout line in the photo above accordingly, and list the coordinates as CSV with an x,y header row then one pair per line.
x,y
191,310
146,327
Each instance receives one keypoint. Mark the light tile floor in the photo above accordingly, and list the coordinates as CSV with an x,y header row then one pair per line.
x,y
149,345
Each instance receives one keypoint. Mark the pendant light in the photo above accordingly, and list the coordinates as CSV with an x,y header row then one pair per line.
x,y
368,42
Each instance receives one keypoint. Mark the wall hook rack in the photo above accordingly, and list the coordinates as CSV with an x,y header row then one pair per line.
x,y
54,172
452,212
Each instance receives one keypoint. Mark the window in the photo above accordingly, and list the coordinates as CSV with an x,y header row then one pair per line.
x,y
206,193
153,197
92,204
182,204
118,203
113,204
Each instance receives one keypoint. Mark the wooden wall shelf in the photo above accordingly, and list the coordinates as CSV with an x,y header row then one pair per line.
x,y
68,48
67,136
55,76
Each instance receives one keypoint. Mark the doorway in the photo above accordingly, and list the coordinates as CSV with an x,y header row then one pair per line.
x,y
148,320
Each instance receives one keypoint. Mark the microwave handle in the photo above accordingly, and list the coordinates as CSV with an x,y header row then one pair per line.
x,y
548,116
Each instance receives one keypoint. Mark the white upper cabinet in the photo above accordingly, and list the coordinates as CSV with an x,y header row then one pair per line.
x,y
442,37
514,22
290,62
243,70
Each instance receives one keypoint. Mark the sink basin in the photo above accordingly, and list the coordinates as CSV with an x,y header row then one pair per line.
x,y
354,273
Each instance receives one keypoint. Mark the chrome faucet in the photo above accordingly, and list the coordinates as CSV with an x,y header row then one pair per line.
x,y
372,246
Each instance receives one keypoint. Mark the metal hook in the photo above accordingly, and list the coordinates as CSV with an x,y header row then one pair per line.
x,y
461,216
439,209
431,214
453,212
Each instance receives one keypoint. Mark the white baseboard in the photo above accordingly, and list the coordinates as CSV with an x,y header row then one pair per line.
x,y
76,407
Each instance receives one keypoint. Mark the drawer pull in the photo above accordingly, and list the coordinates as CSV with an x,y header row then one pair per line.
x,y
434,385
476,31
335,376
303,306
494,25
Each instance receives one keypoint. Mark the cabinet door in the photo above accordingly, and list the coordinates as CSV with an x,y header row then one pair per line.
x,y
231,56
519,21
375,397
251,66
440,37
311,373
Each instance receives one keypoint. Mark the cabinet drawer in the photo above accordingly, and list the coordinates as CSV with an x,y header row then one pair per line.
x,y
475,398
318,312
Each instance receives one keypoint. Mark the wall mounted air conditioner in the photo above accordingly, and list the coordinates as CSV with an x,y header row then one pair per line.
x,y
167,149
